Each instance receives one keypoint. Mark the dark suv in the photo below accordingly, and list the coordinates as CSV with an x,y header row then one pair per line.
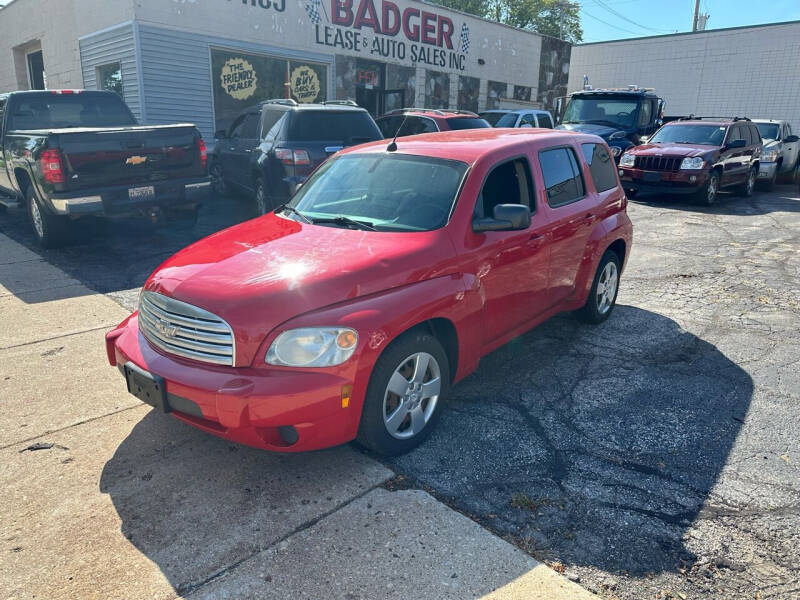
x,y
427,120
695,156
272,147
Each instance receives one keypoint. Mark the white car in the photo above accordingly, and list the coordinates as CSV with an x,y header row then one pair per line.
x,y
525,117
779,155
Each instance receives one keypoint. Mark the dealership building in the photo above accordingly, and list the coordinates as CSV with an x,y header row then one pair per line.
x,y
202,61
740,71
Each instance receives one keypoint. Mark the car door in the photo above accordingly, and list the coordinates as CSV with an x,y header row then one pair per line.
x,y
226,150
790,148
511,265
245,142
733,170
572,214
544,120
527,120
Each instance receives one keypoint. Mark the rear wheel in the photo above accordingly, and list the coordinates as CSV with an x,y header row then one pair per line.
x,y
707,194
749,185
50,230
262,204
404,395
603,295
217,179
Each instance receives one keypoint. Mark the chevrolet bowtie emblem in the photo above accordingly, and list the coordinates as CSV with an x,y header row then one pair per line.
x,y
136,160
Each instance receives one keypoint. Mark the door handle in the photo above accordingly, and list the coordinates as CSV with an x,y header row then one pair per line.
x,y
590,216
535,236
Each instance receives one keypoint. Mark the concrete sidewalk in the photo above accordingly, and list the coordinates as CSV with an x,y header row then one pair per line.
x,y
120,501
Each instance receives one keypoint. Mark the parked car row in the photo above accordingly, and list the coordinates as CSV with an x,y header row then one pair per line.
x,y
699,156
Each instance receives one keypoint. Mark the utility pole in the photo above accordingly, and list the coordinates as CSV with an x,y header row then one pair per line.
x,y
696,14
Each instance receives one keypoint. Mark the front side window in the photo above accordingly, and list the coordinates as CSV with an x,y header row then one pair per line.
x,y
562,177
545,121
492,117
508,183
467,123
109,78
386,191
507,120
711,135
528,119
601,166
645,113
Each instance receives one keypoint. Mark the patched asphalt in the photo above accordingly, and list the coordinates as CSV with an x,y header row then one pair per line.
x,y
653,456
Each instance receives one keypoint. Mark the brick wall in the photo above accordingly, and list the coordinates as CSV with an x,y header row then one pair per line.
x,y
753,71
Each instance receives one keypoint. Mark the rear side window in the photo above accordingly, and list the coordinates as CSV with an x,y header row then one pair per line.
x,y
268,121
389,125
417,125
508,183
601,166
467,123
754,134
346,127
249,129
545,121
48,110
562,178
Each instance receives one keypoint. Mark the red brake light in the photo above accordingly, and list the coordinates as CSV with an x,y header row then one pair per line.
x,y
66,91
50,164
301,157
201,147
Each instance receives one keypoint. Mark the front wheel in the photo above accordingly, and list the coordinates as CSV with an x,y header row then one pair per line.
x,y
603,295
749,185
50,230
404,396
708,193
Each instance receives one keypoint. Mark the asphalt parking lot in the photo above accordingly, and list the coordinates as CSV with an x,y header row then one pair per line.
x,y
655,456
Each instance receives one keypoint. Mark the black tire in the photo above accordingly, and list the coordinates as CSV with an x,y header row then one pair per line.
x,y
50,230
217,179
594,311
746,189
707,194
263,205
373,432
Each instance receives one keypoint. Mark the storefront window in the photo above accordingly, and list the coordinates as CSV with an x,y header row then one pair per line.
x,y
242,79
468,90
345,77
401,87
109,77
495,91
437,90
522,92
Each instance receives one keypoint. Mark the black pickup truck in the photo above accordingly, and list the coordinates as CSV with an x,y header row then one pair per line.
x,y
65,154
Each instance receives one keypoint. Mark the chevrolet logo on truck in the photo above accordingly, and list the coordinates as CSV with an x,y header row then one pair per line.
x,y
136,160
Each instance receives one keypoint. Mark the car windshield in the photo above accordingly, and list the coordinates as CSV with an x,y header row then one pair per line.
x,y
348,127
602,111
708,135
49,110
493,118
768,131
385,192
467,123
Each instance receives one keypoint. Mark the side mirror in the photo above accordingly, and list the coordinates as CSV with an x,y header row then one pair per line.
x,y
737,144
507,217
790,139
221,134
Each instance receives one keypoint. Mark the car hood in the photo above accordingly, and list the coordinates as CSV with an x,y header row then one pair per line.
x,y
602,130
669,149
260,273
771,145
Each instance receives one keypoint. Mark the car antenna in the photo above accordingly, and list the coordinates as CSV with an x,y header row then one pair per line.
x,y
393,144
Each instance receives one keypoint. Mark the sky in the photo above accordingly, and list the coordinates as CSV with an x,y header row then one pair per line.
x,y
638,18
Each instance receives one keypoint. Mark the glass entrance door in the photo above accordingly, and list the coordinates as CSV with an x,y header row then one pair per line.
x,y
392,100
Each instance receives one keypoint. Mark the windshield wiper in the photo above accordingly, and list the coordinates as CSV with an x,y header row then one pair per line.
x,y
343,220
293,210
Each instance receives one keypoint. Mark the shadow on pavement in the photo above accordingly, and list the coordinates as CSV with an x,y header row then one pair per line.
x,y
783,198
590,446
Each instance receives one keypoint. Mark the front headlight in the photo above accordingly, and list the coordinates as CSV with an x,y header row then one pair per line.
x,y
313,347
627,160
692,163
770,155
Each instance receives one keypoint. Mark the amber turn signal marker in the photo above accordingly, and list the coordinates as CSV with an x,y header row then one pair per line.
x,y
346,391
346,340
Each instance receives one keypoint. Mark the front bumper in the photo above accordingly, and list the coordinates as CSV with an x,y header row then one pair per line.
x,y
116,200
767,170
275,409
663,182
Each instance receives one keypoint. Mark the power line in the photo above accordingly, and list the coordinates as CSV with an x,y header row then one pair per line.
x,y
583,10
617,14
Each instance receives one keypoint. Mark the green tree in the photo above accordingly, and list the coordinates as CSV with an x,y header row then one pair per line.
x,y
556,18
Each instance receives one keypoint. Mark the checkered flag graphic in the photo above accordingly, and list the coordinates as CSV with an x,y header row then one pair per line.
x,y
312,9
464,39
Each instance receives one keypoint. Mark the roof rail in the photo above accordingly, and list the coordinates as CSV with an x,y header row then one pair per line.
x,y
459,112
712,118
340,102
400,111
284,101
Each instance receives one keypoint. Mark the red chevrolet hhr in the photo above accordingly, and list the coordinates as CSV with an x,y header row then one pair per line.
x,y
349,312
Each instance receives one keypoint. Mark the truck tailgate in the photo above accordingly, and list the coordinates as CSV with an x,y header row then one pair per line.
x,y
128,156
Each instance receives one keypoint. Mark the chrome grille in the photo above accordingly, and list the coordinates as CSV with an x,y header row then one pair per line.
x,y
179,328
659,163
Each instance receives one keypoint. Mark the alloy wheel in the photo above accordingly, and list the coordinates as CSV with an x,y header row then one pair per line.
x,y
261,201
411,395
36,218
751,181
606,288
711,193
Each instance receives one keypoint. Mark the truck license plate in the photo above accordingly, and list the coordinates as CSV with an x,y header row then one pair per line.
x,y
147,192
